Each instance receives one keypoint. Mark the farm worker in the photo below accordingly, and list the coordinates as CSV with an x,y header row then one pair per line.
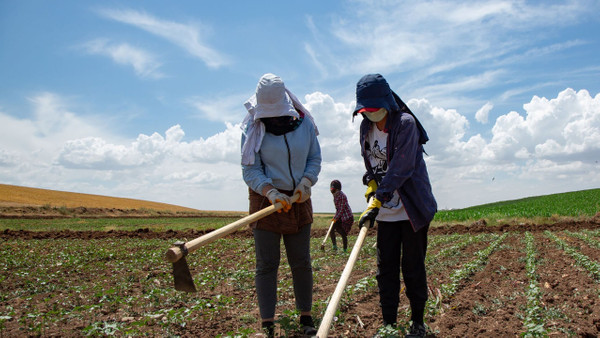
x,y
281,156
399,196
343,218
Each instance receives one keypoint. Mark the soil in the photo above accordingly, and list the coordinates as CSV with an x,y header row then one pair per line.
x,y
491,303
24,211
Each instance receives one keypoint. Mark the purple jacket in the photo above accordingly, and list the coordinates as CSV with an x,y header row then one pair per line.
x,y
406,171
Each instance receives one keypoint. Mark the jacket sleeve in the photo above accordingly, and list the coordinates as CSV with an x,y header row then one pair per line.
x,y
313,161
337,201
254,174
401,166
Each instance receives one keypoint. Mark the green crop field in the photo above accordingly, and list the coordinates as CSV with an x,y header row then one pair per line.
x,y
577,204
532,283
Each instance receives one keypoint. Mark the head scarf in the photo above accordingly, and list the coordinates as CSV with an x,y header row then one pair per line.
x,y
271,99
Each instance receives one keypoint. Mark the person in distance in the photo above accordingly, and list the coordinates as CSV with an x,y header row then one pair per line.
x,y
343,217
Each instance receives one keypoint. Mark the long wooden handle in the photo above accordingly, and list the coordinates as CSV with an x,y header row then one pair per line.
x,y
328,232
174,254
339,289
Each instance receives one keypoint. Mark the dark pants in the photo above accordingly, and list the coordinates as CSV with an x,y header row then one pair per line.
x,y
399,246
337,227
297,248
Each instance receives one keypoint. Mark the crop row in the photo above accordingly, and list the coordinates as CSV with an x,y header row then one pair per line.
x,y
534,319
592,266
124,286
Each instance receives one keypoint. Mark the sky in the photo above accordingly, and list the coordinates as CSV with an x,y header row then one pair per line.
x,y
144,99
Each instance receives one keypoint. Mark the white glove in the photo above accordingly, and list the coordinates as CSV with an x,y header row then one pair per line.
x,y
275,196
304,189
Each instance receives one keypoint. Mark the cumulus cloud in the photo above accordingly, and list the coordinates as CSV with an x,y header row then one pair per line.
x,y
52,122
562,128
553,145
143,62
190,37
482,114
96,153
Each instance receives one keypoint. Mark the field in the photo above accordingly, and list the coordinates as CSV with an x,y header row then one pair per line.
x,y
108,276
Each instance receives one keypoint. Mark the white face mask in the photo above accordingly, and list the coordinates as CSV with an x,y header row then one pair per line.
x,y
376,116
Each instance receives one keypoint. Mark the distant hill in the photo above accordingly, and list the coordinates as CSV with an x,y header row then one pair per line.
x,y
17,196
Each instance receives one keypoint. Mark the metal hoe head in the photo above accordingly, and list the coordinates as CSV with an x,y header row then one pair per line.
x,y
181,272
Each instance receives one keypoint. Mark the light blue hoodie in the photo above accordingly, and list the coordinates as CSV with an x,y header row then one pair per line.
x,y
283,160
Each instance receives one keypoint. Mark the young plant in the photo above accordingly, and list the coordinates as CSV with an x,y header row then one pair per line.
x,y
534,319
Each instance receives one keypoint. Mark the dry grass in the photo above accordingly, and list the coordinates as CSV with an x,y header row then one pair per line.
x,y
11,195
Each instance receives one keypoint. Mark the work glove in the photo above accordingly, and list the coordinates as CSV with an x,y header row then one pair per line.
x,y
275,196
304,189
371,188
370,213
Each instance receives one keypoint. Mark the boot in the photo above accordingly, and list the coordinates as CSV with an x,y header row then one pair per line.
x,y
268,329
416,331
308,326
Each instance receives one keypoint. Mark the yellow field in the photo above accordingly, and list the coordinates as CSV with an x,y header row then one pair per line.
x,y
11,195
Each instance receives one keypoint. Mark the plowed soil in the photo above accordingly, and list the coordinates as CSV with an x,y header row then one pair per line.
x,y
489,303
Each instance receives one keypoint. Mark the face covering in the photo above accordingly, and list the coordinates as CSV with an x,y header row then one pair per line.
x,y
376,116
281,124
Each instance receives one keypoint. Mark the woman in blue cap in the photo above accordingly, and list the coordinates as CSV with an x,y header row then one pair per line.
x,y
399,197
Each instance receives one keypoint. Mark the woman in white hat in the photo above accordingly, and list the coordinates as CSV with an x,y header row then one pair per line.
x,y
281,156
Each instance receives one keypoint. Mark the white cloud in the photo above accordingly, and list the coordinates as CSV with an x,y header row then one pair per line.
x,y
482,114
562,128
143,62
187,36
8,158
437,37
554,146
222,147
225,108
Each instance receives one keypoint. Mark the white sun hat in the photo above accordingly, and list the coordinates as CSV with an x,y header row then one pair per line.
x,y
271,99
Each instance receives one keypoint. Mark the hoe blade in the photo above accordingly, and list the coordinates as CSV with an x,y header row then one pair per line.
x,y
183,277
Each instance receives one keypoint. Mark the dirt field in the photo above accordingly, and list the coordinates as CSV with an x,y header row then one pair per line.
x,y
129,292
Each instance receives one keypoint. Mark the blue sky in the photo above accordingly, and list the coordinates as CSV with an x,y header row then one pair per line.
x,y
142,99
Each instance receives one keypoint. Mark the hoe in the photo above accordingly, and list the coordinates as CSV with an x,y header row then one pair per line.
x,y
176,255
326,236
341,285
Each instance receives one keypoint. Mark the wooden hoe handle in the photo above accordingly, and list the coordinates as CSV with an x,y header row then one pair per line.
x,y
175,253
328,232
339,289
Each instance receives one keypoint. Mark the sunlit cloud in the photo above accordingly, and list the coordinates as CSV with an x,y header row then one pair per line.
x,y
551,140
482,114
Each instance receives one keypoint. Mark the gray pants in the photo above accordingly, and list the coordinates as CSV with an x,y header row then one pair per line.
x,y
297,248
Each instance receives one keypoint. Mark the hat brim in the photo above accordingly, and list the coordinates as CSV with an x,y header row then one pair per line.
x,y
378,102
284,107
